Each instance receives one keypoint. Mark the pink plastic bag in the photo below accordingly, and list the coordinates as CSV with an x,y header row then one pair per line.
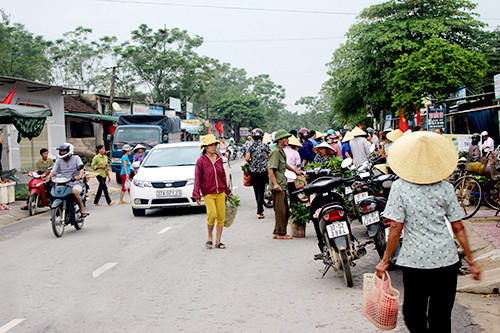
x,y
380,301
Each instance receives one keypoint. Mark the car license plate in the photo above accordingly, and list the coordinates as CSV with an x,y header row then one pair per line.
x,y
370,218
360,196
168,193
348,190
337,229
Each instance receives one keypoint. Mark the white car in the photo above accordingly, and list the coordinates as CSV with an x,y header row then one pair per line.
x,y
166,177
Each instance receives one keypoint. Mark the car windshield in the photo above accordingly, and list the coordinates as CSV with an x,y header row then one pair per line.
x,y
172,156
148,137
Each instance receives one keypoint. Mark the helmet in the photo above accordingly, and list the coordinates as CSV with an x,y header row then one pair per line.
x,y
370,130
257,132
475,136
304,132
330,132
484,133
68,147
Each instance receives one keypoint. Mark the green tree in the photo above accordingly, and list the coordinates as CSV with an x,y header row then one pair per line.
x,y
435,70
242,111
165,60
22,54
271,96
80,63
361,70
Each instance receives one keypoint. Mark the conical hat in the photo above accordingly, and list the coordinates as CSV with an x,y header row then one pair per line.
x,y
319,135
266,138
293,141
323,145
423,157
394,135
357,132
348,136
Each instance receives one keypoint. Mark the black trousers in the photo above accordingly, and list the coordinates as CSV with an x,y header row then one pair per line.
x,y
291,189
102,188
429,295
259,181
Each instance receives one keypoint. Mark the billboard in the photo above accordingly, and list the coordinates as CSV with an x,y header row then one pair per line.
x,y
175,104
435,117
138,108
497,86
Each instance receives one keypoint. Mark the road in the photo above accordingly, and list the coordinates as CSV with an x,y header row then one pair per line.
x,y
153,274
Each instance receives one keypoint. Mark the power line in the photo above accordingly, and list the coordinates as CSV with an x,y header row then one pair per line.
x,y
229,7
271,40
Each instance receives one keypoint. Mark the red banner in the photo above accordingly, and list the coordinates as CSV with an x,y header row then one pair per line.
x,y
218,127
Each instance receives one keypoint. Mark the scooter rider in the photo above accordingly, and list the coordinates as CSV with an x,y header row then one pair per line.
x,y
72,166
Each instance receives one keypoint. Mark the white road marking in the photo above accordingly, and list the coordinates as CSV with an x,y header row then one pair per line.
x,y
164,230
11,324
104,268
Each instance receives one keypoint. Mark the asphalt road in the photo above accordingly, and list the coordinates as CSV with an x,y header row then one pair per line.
x,y
153,274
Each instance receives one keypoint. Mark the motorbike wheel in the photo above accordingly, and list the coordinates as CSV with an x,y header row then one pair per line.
x,y
32,203
58,223
79,221
346,268
469,195
380,243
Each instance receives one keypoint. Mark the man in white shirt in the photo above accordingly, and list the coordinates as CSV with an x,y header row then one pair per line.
x,y
488,145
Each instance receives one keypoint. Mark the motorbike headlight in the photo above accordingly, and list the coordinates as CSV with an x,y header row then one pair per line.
x,y
190,181
141,183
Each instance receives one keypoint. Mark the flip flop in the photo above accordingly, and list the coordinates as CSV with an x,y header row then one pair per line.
x,y
260,216
209,244
220,246
85,214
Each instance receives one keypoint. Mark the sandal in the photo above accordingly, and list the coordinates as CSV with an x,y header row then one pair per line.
x,y
260,216
209,244
220,246
85,214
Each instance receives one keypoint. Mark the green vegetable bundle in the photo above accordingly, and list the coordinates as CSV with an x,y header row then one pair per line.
x,y
300,214
245,167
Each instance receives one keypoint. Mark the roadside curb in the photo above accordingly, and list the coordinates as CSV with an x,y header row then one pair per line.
x,y
487,258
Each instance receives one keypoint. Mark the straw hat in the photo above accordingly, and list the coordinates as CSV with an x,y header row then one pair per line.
x,y
139,146
126,147
348,136
357,132
394,135
208,140
319,135
423,157
293,141
323,145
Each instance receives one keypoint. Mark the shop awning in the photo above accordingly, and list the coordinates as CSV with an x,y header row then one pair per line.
x,y
29,121
103,117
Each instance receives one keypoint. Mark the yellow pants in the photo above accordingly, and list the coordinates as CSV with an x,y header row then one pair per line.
x,y
216,208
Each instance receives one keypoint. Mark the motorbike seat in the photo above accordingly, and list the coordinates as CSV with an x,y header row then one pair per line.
x,y
323,184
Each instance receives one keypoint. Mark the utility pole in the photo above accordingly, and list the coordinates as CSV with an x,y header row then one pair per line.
x,y
112,92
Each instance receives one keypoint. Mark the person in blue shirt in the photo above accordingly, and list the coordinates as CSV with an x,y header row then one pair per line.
x,y
346,148
125,170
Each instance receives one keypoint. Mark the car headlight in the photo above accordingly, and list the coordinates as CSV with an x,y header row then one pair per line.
x,y
116,160
190,181
142,183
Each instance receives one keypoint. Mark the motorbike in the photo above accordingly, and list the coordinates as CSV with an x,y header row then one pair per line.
x,y
65,209
39,191
339,247
232,152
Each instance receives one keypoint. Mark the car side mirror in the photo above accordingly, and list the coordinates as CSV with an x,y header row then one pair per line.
x,y
136,165
345,163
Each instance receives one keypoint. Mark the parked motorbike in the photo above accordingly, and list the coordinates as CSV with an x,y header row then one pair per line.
x,y
65,209
339,247
39,191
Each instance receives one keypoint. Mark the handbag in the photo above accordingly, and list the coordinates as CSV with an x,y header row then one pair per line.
x,y
247,180
231,211
380,301
127,184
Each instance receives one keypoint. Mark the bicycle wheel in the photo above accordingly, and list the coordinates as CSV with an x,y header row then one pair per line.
x,y
491,192
469,195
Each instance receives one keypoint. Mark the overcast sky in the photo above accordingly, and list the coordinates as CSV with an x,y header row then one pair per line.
x,y
277,37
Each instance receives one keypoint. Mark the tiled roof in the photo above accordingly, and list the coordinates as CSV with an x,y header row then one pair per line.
x,y
72,105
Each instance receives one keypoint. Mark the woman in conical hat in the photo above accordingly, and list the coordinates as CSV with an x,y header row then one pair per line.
x,y
324,153
420,202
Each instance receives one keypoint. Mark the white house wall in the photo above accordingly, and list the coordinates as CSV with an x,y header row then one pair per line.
x,y
56,131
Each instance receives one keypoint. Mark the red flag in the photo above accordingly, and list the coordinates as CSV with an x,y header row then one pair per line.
x,y
8,99
403,122
27,102
218,127
419,116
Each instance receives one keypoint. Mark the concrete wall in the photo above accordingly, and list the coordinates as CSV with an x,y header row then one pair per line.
x,y
51,98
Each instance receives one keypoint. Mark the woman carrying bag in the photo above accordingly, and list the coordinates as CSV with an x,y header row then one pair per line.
x,y
420,202
125,171
210,180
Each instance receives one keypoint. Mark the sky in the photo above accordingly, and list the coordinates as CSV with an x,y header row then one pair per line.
x,y
292,40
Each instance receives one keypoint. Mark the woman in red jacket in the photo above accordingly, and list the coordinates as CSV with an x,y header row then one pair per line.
x,y
210,180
